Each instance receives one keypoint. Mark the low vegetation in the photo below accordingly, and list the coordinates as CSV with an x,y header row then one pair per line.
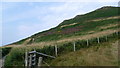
x,y
62,50
5,50
103,54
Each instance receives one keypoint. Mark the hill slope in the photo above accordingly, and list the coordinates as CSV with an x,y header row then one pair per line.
x,y
101,19
104,54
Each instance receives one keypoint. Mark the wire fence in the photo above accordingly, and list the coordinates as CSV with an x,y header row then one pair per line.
x,y
75,45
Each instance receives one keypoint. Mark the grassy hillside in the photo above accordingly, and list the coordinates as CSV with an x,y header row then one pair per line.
x,y
104,54
107,11
101,19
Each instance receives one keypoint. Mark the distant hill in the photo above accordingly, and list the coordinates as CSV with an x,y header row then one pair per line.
x,y
98,20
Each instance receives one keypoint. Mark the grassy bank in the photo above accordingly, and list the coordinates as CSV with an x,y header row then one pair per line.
x,y
17,54
103,54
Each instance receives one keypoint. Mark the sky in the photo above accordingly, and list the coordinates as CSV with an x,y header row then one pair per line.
x,y
22,18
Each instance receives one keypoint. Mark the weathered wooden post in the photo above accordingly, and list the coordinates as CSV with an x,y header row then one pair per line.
x,y
106,38
87,42
30,61
98,40
40,61
74,46
26,59
56,50
117,33
34,59
33,40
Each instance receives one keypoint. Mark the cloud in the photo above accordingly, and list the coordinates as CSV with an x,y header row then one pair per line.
x,y
67,7
107,0
60,1
25,14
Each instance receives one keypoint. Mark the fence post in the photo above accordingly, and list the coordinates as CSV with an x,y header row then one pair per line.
x,y
106,38
30,61
26,59
87,42
40,61
98,40
56,50
117,33
34,59
74,46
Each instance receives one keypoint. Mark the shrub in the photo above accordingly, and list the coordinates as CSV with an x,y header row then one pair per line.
x,y
15,57
5,51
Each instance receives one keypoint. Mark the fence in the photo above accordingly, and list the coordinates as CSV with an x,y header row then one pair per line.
x,y
74,46
31,59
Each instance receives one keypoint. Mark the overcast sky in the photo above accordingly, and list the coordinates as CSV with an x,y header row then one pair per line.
x,y
21,19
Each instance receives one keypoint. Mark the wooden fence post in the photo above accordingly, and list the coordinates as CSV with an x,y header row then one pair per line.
x,y
40,61
34,59
87,42
106,38
30,61
74,46
98,40
56,50
117,33
26,59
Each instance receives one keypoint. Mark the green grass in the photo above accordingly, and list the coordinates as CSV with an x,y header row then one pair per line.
x,y
100,13
16,55
87,26
96,55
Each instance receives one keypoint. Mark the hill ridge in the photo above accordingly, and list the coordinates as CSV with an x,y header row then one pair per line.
x,y
78,25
